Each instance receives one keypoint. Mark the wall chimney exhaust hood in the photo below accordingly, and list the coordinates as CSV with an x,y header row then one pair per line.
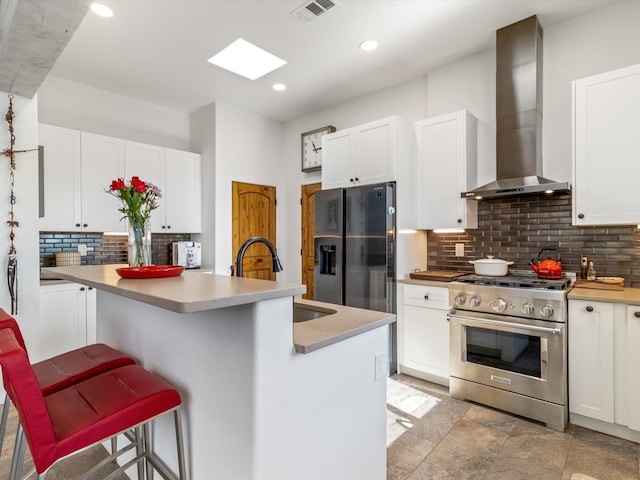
x,y
518,115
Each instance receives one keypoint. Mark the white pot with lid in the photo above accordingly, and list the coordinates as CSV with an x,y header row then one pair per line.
x,y
493,267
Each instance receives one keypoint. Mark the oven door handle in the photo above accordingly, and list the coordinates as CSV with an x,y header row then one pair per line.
x,y
535,328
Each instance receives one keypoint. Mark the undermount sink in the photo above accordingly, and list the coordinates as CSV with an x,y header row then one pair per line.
x,y
303,312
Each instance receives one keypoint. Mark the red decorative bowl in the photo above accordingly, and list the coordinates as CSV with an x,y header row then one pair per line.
x,y
152,271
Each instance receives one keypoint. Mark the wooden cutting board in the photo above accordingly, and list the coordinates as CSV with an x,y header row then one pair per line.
x,y
436,275
598,285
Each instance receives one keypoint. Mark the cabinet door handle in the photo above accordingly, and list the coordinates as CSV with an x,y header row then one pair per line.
x,y
357,179
636,314
581,215
85,225
459,220
77,224
90,288
426,297
82,289
589,308
168,226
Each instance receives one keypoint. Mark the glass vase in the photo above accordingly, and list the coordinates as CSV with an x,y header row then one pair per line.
x,y
139,253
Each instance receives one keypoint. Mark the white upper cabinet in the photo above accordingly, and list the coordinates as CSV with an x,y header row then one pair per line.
x,y
376,152
147,163
338,165
606,115
366,154
446,167
62,178
177,174
102,162
78,168
182,190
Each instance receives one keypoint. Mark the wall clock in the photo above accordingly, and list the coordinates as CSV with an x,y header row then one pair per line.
x,y
312,148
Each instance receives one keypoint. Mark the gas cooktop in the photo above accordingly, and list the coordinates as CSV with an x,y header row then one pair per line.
x,y
518,280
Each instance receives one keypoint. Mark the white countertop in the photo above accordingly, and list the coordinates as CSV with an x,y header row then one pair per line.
x,y
193,291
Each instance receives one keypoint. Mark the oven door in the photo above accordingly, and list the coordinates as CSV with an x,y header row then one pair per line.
x,y
513,354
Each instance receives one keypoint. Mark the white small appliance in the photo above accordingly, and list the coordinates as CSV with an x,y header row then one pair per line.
x,y
187,254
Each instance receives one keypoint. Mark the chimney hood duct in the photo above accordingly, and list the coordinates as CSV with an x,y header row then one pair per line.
x,y
518,115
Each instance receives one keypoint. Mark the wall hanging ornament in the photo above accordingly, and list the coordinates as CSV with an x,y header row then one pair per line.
x,y
12,267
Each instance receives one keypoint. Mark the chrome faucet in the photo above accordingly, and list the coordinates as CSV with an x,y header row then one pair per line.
x,y
237,268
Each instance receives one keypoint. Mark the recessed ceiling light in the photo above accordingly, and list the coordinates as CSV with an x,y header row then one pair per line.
x,y
245,59
369,45
101,9
279,87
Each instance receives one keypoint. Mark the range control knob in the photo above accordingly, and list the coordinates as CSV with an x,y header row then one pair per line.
x,y
475,301
460,300
499,305
546,311
527,308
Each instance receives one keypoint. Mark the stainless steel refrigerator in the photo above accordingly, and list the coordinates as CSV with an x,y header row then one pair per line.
x,y
354,241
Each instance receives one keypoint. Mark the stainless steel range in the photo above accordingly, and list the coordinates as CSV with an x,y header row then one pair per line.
x,y
509,344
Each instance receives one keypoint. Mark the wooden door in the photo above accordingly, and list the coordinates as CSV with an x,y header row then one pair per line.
x,y
308,207
254,214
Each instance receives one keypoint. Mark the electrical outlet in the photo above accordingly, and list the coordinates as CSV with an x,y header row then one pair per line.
x,y
381,369
459,249
82,249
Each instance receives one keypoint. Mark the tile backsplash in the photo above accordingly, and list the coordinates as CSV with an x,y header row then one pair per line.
x,y
515,229
103,249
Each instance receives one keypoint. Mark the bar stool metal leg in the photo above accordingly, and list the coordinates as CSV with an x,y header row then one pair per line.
x,y
18,455
5,418
182,470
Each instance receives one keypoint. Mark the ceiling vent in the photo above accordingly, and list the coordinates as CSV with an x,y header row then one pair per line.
x,y
311,10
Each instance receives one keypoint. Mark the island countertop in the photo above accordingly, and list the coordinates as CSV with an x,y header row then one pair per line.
x,y
193,291
196,291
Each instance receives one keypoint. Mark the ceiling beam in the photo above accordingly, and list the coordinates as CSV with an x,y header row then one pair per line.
x,y
33,34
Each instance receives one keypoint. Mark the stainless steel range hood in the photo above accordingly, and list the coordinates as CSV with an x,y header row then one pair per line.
x,y
518,115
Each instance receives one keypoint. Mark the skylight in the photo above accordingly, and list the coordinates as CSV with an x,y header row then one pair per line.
x,y
247,60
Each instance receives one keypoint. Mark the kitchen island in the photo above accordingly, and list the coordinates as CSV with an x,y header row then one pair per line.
x,y
255,407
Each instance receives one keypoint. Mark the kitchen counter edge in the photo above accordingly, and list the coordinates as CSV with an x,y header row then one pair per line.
x,y
347,322
426,283
629,296
186,293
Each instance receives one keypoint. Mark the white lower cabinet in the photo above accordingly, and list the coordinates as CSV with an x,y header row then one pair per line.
x,y
423,331
604,387
630,378
67,318
591,359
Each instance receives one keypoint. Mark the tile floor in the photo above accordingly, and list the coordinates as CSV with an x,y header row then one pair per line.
x,y
431,436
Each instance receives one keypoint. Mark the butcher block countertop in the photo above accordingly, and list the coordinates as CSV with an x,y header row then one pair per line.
x,y
629,296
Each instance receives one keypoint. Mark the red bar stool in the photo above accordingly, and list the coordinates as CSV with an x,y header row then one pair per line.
x,y
89,412
64,370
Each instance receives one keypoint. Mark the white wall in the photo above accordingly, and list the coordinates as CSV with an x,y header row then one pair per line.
x,y
203,139
69,104
248,148
26,212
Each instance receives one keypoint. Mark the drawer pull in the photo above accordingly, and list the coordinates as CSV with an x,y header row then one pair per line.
x,y
636,314
426,297
589,308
